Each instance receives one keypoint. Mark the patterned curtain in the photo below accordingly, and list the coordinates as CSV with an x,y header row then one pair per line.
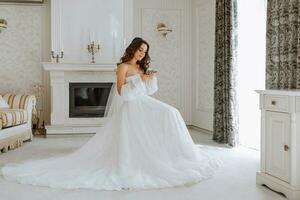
x,y
225,103
283,45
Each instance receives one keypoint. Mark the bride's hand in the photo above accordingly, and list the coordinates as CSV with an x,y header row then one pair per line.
x,y
145,77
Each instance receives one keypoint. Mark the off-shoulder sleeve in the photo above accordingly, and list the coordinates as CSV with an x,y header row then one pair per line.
x,y
132,89
151,85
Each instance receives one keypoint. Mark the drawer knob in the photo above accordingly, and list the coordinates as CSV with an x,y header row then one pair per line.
x,y
286,147
273,103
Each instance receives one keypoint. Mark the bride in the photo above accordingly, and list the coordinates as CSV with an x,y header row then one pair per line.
x,y
144,144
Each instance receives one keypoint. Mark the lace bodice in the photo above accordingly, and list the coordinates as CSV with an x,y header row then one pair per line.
x,y
134,87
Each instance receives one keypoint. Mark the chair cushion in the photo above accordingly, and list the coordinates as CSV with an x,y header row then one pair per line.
x,y
12,117
3,103
16,101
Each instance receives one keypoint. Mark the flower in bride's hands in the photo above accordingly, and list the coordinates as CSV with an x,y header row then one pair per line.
x,y
150,71
146,76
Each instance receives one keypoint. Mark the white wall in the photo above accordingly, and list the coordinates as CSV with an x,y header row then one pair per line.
x,y
203,34
185,60
171,56
24,44
76,23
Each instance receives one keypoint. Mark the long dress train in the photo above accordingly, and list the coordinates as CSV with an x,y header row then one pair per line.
x,y
144,144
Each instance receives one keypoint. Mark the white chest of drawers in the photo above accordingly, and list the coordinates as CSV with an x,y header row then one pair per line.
x,y
280,141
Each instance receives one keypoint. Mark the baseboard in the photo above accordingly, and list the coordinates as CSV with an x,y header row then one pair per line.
x,y
202,130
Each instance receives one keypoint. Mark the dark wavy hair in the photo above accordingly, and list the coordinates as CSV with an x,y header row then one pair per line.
x,y
135,44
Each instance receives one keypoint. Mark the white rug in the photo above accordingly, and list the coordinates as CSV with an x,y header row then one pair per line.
x,y
235,180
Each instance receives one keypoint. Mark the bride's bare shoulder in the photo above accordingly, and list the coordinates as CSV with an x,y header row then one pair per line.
x,y
123,66
122,69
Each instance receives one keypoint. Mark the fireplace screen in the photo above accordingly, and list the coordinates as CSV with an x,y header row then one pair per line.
x,y
88,99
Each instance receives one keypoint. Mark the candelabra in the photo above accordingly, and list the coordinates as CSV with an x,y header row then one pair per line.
x,y
93,48
57,56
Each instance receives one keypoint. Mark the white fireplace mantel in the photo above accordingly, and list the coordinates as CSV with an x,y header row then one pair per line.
x,y
106,67
61,75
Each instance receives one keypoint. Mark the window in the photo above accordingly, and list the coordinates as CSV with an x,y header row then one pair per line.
x,y
251,68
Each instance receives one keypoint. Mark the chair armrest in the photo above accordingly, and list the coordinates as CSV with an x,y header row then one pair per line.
x,y
30,106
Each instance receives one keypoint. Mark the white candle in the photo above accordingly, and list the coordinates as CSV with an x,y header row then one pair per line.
x,y
93,36
97,37
61,39
52,42
53,27
90,36
60,26
62,47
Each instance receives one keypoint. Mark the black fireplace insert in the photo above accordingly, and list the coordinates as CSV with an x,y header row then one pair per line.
x,y
88,99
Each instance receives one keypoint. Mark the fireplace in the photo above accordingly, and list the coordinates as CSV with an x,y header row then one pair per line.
x,y
88,100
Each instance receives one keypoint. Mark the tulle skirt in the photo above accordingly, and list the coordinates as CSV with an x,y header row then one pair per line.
x,y
145,145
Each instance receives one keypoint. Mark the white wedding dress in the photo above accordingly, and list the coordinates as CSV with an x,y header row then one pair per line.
x,y
144,144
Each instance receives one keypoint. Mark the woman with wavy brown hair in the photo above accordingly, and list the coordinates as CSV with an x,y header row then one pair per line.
x,y
136,59
144,144
138,49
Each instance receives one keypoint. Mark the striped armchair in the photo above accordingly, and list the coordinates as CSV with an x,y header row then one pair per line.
x,y
15,121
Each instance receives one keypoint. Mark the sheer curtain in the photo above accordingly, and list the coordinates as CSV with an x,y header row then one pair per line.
x,y
251,68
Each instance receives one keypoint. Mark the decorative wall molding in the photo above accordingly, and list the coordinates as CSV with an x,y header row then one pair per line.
x,y
203,63
21,48
24,44
204,71
165,52
108,24
175,80
171,55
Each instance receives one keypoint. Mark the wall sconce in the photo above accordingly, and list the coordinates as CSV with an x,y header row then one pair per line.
x,y
163,29
3,24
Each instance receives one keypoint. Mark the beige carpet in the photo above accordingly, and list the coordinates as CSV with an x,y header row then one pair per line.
x,y
235,180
